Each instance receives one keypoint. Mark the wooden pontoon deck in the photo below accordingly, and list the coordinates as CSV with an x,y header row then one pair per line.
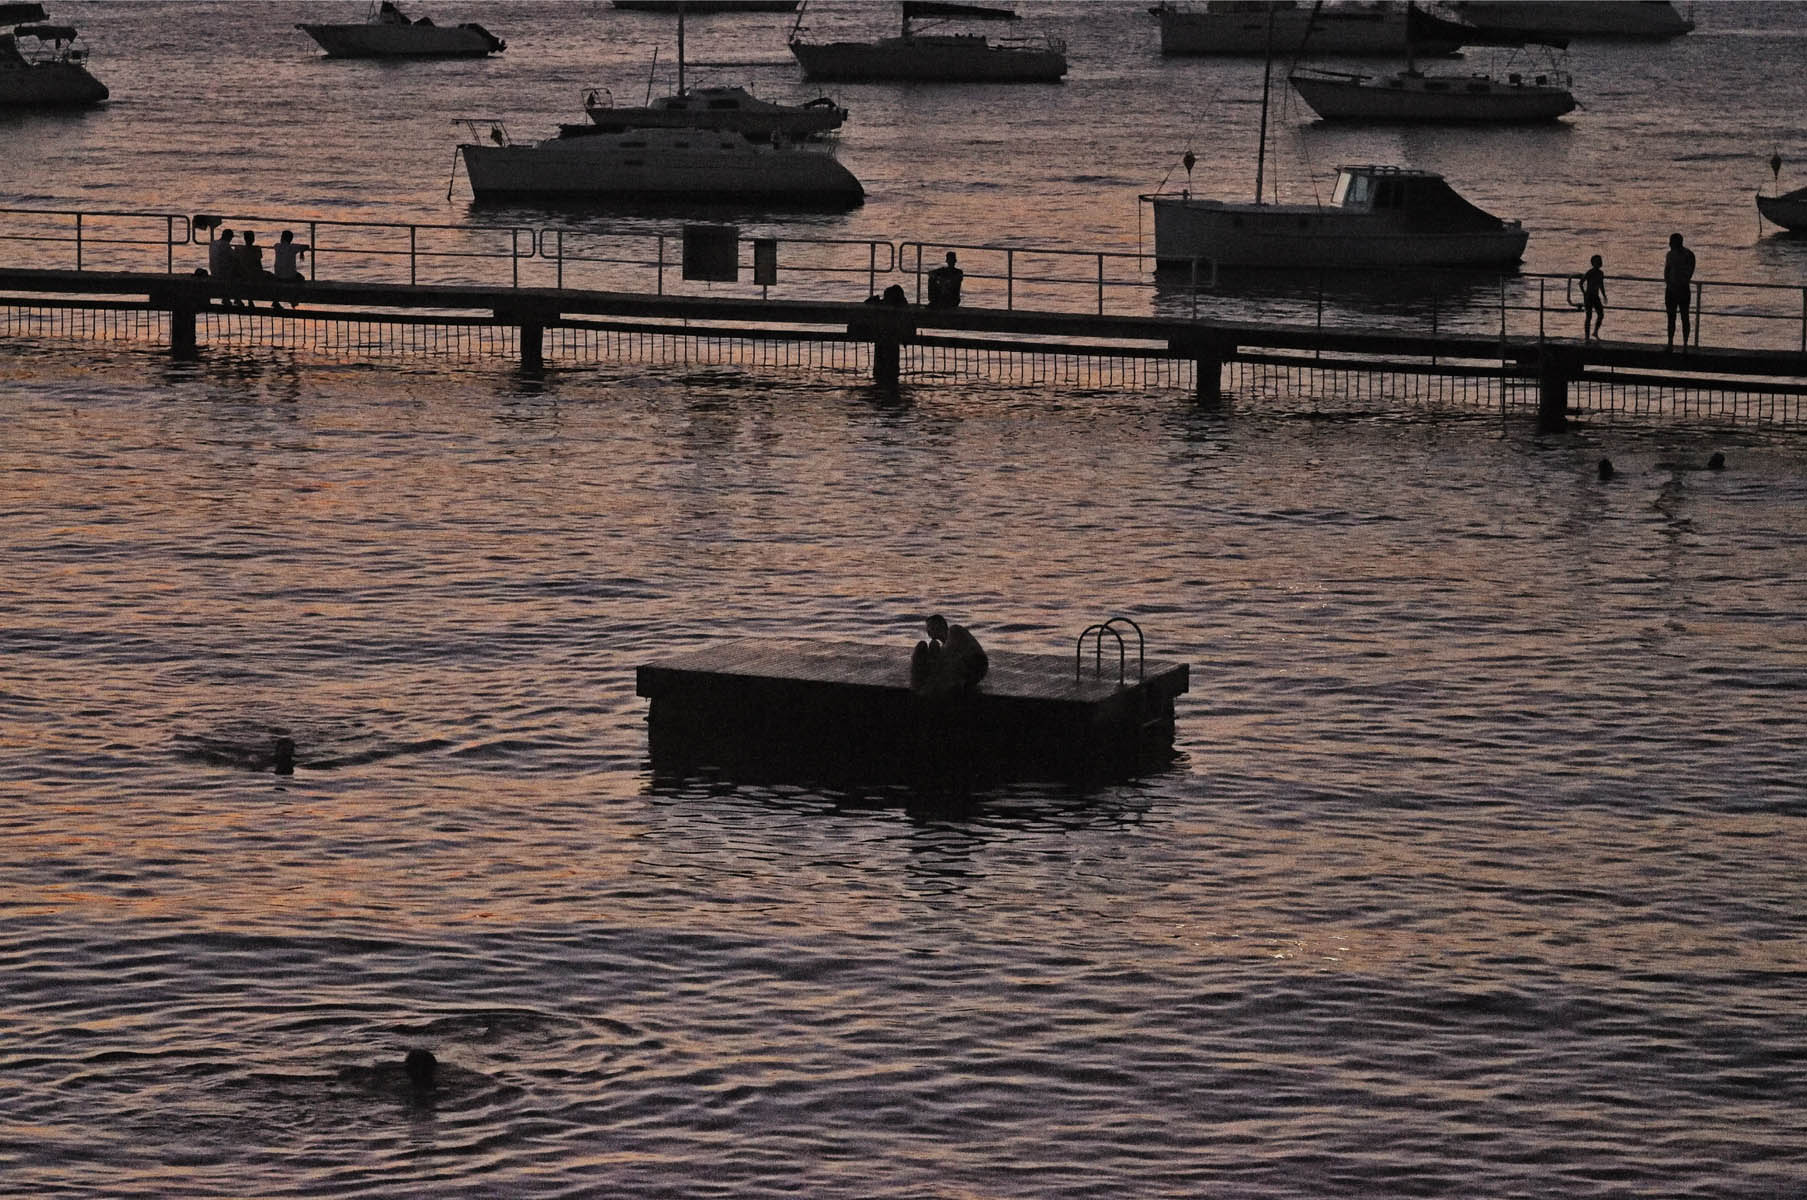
x,y
845,710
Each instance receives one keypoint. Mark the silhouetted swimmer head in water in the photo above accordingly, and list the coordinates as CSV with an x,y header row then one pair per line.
x,y
422,1069
1606,471
283,755
1717,462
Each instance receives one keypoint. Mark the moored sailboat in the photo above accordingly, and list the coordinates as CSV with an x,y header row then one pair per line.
x,y
919,57
700,166
1411,95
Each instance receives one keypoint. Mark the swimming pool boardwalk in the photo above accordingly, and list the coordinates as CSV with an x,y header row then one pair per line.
x,y
845,709
1553,364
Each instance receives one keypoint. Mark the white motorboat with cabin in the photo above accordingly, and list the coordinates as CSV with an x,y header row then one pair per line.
x,y
1385,217
918,57
50,70
1521,96
1243,27
1641,20
696,166
389,33
715,107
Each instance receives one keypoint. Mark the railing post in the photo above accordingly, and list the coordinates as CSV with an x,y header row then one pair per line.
x,y
661,288
1699,291
313,250
871,268
1010,279
412,274
1502,308
1101,285
78,241
169,245
1540,310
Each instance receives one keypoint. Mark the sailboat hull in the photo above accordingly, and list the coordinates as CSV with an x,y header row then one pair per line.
x,y
1427,98
955,58
661,165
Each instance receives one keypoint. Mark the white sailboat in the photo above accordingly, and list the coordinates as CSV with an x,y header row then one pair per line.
x,y
1378,217
1518,97
696,166
724,107
919,57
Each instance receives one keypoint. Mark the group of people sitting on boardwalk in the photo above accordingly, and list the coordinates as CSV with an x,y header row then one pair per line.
x,y
241,273
1678,288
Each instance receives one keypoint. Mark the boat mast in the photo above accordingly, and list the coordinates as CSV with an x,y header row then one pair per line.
x,y
1266,75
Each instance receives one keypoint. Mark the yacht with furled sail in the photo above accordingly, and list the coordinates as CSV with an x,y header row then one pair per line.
x,y
387,32
715,107
1378,217
1242,27
586,162
48,70
1632,20
918,57
1516,96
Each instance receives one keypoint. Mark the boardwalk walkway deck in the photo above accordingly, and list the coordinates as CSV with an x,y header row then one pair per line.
x,y
1554,364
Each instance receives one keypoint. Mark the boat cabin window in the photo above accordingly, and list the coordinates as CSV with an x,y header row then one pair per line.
x,y
1352,189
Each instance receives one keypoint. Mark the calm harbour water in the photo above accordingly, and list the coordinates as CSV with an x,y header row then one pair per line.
x,y
1479,875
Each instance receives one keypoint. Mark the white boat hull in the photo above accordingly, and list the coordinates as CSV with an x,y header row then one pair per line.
x,y
1788,210
376,39
703,168
48,85
1420,98
1273,236
955,58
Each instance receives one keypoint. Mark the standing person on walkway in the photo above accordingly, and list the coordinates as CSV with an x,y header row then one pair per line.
x,y
1593,299
944,284
1678,282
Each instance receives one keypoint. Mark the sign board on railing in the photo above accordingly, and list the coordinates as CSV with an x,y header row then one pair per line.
x,y
712,253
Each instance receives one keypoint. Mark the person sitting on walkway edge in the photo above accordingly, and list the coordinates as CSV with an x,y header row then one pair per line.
x,y
287,269
951,662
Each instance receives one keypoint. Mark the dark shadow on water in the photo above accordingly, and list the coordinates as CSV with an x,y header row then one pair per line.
x,y
1071,802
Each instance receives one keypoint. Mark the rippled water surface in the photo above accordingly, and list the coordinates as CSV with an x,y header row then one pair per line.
x,y
1479,873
